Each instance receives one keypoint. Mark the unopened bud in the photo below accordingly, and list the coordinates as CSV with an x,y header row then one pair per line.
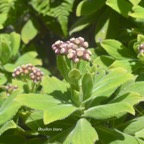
x,y
80,53
76,60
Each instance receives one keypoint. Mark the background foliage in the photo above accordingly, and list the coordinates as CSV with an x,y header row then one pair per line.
x,y
101,102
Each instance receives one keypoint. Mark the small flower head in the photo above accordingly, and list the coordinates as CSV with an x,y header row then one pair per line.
x,y
30,71
10,89
141,48
74,49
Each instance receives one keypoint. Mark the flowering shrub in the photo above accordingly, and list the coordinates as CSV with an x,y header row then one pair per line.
x,y
71,72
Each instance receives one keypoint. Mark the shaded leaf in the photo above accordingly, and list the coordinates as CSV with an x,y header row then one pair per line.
x,y
107,26
8,125
88,7
121,6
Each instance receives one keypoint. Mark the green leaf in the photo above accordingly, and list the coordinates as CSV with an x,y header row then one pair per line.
x,y
137,12
28,32
87,85
82,23
63,67
7,125
104,61
117,50
5,49
140,134
52,84
29,57
107,111
37,101
126,64
132,98
134,87
58,112
121,6
135,2
107,26
8,109
15,42
3,79
113,136
108,84
133,126
83,133
88,7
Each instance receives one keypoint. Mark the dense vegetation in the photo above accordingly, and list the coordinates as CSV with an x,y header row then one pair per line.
x,y
71,72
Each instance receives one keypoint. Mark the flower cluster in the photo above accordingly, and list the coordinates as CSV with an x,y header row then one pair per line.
x,y
141,48
75,49
10,88
34,73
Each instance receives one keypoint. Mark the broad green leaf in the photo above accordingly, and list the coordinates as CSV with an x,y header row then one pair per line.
x,y
1,26
137,12
28,32
107,111
3,79
15,42
29,57
8,125
87,85
135,2
3,17
121,6
133,126
8,109
104,61
5,49
52,84
58,112
108,84
88,7
107,26
37,101
137,87
83,133
126,64
9,67
113,136
140,134
132,98
117,50
34,116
